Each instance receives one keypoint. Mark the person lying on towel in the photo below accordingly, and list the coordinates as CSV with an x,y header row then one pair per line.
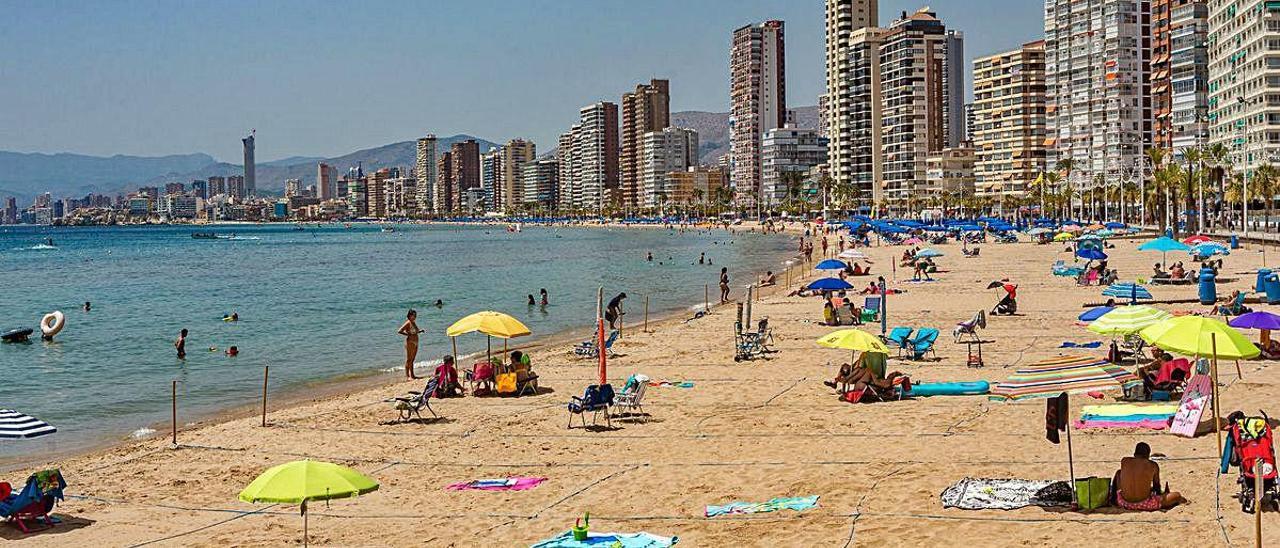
x,y
1137,483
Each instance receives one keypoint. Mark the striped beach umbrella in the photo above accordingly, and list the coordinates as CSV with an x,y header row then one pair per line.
x,y
1124,320
852,254
1071,374
1127,290
17,426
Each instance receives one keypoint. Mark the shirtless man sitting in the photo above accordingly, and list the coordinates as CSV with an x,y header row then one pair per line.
x,y
1137,483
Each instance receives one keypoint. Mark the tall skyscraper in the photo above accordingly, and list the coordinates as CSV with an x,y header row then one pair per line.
x,y
250,176
1008,121
916,92
853,81
565,178
590,153
647,109
217,185
953,71
758,97
1098,113
425,170
466,169
444,192
789,150
515,154
540,180
324,182
491,179
1180,73
661,152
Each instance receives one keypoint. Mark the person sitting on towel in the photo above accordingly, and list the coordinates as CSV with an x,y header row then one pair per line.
x,y
1137,483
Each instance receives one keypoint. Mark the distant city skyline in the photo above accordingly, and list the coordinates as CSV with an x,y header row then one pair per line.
x,y
146,79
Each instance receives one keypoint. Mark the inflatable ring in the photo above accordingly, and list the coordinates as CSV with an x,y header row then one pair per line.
x,y
52,323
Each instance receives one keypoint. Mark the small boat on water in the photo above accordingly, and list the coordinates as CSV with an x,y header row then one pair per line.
x,y
204,235
20,334
388,228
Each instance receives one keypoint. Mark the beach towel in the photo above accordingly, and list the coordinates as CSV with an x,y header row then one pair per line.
x,y
499,484
608,540
781,503
1069,344
1151,416
1005,494
677,384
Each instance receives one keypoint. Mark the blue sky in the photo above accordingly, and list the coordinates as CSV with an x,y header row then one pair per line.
x,y
325,78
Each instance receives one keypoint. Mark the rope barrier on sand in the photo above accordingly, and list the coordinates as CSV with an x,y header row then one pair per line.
x,y
202,528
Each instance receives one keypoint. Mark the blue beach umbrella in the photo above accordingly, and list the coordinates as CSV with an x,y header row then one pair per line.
x,y
1091,254
1164,244
928,252
1126,290
829,284
1114,225
1210,248
1095,313
831,264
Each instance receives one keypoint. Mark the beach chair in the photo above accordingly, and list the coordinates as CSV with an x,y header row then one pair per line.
x,y
595,400
481,376
34,502
844,316
898,337
971,327
629,400
411,406
923,343
871,308
587,348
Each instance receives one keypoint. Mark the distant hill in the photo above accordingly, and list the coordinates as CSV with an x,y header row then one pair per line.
x,y
25,175
713,129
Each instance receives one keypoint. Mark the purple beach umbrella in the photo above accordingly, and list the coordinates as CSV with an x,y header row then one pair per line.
x,y
1263,321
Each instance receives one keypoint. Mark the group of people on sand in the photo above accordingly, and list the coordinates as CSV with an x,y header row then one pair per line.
x,y
447,372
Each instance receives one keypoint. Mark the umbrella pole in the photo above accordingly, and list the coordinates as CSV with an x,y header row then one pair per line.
x,y
304,523
1071,460
454,341
1217,417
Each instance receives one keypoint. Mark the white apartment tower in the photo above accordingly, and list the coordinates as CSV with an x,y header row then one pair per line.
x,y
1097,76
852,72
1244,76
425,171
588,159
1008,120
758,97
661,152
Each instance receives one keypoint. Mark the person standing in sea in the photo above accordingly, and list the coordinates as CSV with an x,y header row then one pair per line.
x,y
410,331
181,344
724,285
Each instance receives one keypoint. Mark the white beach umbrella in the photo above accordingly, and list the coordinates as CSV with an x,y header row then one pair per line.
x,y
16,426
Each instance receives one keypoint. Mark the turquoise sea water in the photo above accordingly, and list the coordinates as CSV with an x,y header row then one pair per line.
x,y
314,304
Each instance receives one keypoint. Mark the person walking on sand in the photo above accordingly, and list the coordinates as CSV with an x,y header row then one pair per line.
x,y
181,344
824,245
724,285
410,331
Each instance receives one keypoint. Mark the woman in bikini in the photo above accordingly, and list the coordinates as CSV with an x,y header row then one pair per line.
x,y
410,331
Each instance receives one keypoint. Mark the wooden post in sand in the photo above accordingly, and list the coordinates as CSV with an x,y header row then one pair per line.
x,y
1071,460
266,369
175,413
706,298
1257,502
646,313
1217,417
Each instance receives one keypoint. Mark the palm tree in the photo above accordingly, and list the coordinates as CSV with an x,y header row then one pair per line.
x,y
1217,159
1263,183
1156,156
1194,184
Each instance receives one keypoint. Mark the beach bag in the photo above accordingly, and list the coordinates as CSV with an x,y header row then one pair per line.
x,y
1092,492
506,383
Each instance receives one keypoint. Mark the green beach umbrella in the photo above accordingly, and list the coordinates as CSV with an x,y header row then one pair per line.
x,y
1124,320
300,481
1195,335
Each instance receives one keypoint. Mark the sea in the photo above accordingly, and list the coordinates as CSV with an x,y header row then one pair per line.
x,y
316,303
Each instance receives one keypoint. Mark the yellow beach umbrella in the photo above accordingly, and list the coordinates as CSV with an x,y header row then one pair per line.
x,y
1195,335
853,339
1063,237
305,480
1124,320
493,324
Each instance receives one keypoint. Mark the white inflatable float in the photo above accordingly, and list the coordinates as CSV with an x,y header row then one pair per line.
x,y
52,323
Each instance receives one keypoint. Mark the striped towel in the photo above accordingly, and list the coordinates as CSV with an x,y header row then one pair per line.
x,y
1127,415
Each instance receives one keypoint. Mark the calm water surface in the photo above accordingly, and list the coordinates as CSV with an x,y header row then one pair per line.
x,y
314,304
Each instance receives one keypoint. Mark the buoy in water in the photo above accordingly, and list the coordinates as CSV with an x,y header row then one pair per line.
x,y
51,324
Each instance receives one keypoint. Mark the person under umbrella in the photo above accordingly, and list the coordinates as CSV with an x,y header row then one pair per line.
x,y
1009,304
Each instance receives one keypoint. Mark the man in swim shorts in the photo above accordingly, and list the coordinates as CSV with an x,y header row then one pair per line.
x,y
1137,483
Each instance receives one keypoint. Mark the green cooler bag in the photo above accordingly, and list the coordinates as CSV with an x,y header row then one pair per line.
x,y
1092,492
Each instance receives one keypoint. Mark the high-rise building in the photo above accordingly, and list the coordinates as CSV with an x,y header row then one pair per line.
x,y
661,152
426,171
949,173
645,110
491,179
174,188
789,152
697,185
824,116
758,97
250,175
953,71
852,94
324,182
1008,120
201,188
515,154
1180,73
565,179
444,194
915,94
466,169
1098,112
540,179
376,192
217,185
235,187
590,152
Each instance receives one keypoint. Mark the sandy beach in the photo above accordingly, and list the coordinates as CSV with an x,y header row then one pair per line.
x,y
749,431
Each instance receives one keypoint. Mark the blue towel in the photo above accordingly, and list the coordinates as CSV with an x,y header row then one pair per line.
x,y
1069,344
627,540
780,503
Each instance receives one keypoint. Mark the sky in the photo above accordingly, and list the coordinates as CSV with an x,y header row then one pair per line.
x,y
324,78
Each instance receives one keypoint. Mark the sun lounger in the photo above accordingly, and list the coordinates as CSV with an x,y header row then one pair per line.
x,y
411,406
631,397
595,400
970,328
898,337
923,342
34,502
587,348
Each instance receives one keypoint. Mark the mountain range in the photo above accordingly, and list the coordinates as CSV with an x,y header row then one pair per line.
x,y
24,175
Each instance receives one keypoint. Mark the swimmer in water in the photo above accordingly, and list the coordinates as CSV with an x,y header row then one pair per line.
x,y
233,352
531,300
439,303
87,306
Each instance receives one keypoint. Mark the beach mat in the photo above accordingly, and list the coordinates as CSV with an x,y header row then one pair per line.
x,y
606,540
1005,494
1127,415
500,484
798,504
